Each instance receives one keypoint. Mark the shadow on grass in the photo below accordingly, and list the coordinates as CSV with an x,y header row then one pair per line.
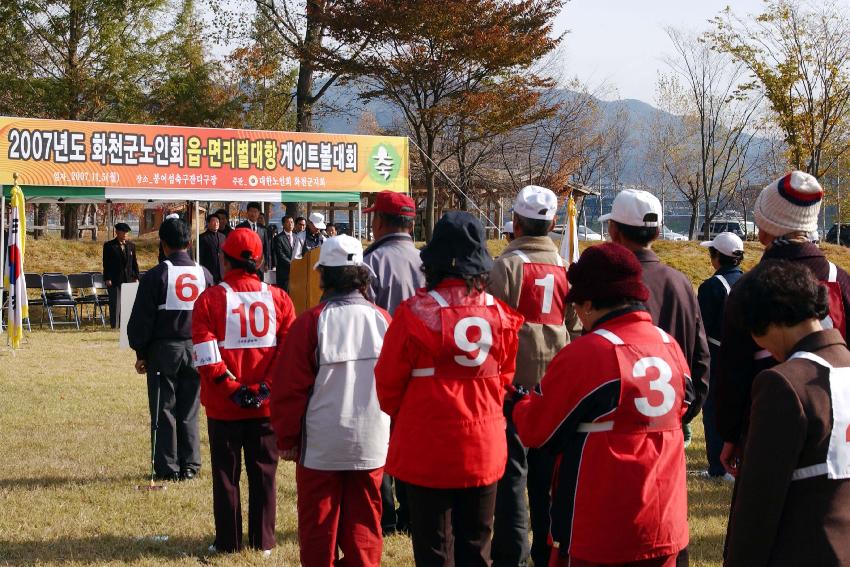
x,y
108,548
65,481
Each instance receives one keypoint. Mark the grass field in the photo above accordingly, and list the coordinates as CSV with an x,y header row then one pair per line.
x,y
74,437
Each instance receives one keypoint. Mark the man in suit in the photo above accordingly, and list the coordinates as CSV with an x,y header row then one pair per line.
x,y
285,247
119,266
253,222
223,221
210,248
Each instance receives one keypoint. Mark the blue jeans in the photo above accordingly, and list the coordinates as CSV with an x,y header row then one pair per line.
x,y
713,440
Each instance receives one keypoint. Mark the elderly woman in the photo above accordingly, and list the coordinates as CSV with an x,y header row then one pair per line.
x,y
792,505
447,357
610,407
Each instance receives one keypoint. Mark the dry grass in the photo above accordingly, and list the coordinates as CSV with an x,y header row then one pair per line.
x,y
74,432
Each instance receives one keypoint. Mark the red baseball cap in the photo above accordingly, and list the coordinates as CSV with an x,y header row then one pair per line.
x,y
243,244
393,204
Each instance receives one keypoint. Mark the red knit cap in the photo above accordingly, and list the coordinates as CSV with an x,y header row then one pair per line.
x,y
606,271
243,244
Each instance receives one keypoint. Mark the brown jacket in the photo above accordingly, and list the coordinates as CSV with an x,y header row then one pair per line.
x,y
538,344
775,520
675,309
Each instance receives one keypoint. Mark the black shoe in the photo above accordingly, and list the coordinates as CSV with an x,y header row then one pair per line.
x,y
170,477
188,474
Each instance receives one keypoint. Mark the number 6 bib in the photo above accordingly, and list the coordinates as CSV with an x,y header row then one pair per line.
x,y
251,319
185,284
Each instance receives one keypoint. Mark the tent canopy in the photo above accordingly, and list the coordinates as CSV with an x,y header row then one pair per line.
x,y
51,194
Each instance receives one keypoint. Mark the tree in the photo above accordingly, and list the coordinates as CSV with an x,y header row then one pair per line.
x,y
799,56
79,60
435,60
724,118
194,90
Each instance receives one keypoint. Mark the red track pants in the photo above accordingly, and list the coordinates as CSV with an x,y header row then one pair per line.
x,y
339,517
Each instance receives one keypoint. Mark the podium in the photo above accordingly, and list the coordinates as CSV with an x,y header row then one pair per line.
x,y
304,288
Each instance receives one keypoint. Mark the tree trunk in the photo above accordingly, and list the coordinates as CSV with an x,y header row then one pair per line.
x,y
40,217
70,222
692,229
430,201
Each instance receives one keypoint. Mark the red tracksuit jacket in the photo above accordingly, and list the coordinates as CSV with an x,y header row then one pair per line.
x,y
610,405
446,360
237,326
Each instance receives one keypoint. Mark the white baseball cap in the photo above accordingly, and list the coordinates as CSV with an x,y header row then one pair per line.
x,y
318,220
508,227
726,243
633,207
342,250
535,202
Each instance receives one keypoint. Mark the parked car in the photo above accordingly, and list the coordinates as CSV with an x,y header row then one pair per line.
x,y
587,233
724,225
832,235
670,235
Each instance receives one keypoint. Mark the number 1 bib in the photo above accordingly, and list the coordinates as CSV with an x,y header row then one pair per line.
x,y
251,319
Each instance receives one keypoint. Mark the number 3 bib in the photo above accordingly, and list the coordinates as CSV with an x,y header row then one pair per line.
x,y
251,319
185,284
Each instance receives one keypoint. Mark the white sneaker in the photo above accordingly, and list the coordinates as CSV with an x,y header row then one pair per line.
x,y
267,553
212,549
727,478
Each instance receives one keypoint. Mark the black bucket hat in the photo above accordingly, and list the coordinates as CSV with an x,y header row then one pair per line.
x,y
458,246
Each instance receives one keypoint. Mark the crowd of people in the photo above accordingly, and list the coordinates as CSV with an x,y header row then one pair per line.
x,y
473,402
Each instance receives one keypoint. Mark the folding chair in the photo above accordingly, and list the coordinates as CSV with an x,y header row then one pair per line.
x,y
57,293
100,289
33,282
82,285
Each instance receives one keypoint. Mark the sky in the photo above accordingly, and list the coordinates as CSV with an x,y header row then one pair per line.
x,y
622,43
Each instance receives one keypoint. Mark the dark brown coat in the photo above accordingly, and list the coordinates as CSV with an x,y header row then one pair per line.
x,y
776,521
674,307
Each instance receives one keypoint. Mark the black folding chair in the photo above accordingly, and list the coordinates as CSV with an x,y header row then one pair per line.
x,y
35,296
57,293
82,286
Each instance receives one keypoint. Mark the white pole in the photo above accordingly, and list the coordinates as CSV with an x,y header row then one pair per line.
x,y
197,234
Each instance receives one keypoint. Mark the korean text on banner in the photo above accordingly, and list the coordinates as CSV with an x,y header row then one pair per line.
x,y
104,155
18,308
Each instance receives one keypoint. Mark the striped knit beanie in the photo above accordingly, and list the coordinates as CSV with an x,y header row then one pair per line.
x,y
789,204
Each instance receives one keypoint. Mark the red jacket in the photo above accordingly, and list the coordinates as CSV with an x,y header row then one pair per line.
x,y
446,359
610,407
240,336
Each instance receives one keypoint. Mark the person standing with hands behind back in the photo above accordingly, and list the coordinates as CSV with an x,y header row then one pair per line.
x,y
119,266
236,328
447,357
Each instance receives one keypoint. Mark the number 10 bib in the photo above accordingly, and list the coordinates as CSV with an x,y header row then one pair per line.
x,y
251,319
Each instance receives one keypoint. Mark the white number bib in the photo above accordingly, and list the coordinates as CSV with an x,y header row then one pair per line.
x,y
251,319
185,284
838,453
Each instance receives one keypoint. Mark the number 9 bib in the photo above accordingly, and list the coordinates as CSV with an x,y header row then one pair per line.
x,y
468,340
251,319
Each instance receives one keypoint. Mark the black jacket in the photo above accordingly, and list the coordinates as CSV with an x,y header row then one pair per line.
x,y
149,323
264,237
673,305
209,253
282,253
712,296
120,267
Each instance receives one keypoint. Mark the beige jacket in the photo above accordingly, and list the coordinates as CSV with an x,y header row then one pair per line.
x,y
538,344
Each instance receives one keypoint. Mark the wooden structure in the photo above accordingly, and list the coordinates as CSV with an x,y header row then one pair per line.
x,y
304,288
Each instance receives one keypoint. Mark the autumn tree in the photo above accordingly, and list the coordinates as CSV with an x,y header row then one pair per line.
x,y
79,60
723,117
436,61
799,56
191,88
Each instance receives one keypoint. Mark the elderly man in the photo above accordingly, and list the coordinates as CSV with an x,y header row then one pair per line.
x,y
210,248
253,213
531,277
119,266
398,274
313,236
786,212
286,246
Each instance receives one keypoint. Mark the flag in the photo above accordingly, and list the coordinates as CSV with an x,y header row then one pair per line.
x,y
569,242
18,308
